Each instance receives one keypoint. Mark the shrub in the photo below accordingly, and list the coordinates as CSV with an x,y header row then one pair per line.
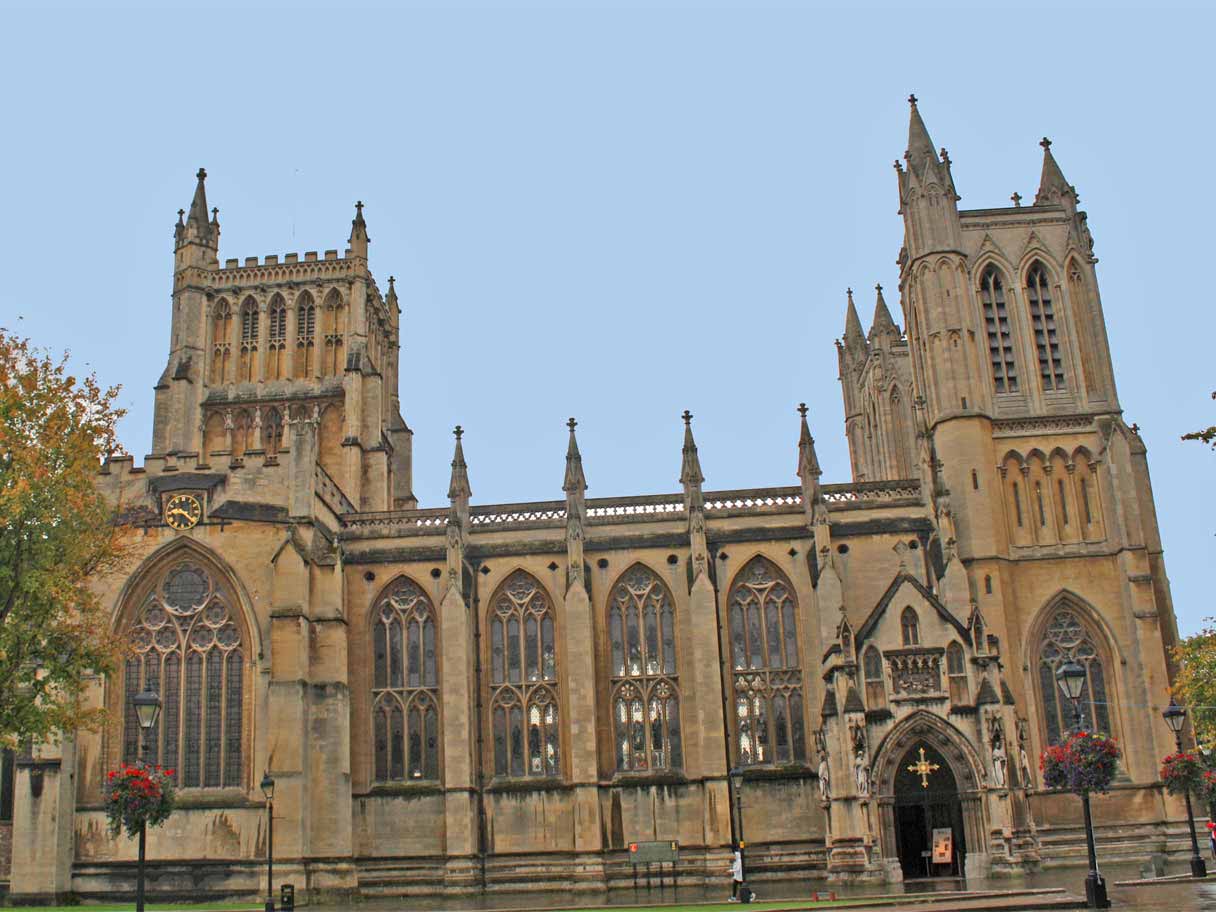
x,y
1086,762
136,795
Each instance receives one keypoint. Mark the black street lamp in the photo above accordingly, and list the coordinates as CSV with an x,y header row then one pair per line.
x,y
736,780
1175,718
268,791
147,710
1071,678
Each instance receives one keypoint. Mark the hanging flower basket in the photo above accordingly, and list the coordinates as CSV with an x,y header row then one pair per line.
x,y
1183,772
136,795
1086,762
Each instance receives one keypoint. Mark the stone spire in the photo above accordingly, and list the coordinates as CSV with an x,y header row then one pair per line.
x,y
459,491
575,482
920,144
854,338
358,233
694,502
808,461
690,466
882,325
1053,188
197,227
391,297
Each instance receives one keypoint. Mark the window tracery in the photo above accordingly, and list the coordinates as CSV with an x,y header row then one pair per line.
x,y
306,329
1068,639
1000,336
876,688
221,342
247,367
645,693
335,333
909,625
187,646
956,671
405,686
523,680
767,667
1043,322
276,339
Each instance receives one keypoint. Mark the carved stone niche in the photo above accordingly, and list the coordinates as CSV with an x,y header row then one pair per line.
x,y
916,673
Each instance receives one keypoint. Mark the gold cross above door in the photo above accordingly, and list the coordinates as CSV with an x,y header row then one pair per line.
x,y
923,768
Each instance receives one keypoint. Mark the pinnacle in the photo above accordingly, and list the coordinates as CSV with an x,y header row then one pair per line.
x,y
690,468
459,487
575,482
882,322
1052,185
196,220
808,460
919,142
853,336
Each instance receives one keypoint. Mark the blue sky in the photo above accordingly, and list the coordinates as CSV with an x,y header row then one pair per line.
x,y
611,211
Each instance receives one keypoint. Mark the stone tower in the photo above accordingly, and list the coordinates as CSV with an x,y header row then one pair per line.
x,y
256,346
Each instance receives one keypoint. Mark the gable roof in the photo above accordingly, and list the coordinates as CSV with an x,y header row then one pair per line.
x,y
871,622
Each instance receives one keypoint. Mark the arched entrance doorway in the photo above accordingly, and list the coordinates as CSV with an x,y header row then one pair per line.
x,y
946,794
929,834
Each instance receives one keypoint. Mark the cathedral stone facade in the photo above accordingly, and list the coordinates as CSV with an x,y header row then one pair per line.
x,y
497,697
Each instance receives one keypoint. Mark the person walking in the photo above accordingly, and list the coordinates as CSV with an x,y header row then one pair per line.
x,y
736,875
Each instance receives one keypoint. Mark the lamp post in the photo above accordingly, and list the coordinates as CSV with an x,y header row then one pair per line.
x,y
268,791
1175,718
147,710
736,781
1071,678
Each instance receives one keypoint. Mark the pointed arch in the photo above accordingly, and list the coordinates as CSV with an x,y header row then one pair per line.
x,y
186,622
1040,299
221,342
645,695
875,678
405,700
1066,629
956,673
306,329
329,441
1084,320
525,735
248,359
993,293
272,431
762,612
334,331
276,338
924,726
215,439
909,626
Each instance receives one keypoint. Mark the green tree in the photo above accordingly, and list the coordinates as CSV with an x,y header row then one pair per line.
x,y
1207,435
1195,684
57,535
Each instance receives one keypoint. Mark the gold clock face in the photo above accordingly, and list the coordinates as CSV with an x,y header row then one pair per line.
x,y
183,511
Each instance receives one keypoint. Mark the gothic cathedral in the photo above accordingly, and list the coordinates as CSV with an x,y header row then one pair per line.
x,y
508,696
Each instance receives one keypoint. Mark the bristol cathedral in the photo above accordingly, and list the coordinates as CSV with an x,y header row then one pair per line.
x,y
465,697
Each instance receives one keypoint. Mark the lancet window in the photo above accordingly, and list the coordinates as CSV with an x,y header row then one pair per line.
x,y
335,333
186,645
645,693
767,672
276,339
247,368
221,342
405,686
909,625
1067,638
1043,322
1000,336
956,671
306,329
523,680
876,687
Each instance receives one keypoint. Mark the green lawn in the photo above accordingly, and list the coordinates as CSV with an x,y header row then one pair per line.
x,y
757,906
152,906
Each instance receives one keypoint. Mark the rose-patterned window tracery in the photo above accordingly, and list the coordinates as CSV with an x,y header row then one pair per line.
x,y
523,680
186,645
645,695
1068,639
405,686
767,667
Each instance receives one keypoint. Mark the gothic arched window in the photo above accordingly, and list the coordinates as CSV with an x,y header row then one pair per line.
x,y
272,432
523,679
1043,322
405,685
645,696
767,668
335,334
876,687
247,368
956,671
1000,336
276,339
221,341
187,646
1067,638
306,329
909,626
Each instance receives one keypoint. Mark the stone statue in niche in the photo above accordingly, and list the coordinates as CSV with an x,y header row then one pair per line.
x,y
1023,756
1000,759
861,771
824,779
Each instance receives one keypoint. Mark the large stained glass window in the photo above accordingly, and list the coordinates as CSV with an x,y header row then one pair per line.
x,y
186,645
1068,639
767,669
999,332
405,686
523,680
645,696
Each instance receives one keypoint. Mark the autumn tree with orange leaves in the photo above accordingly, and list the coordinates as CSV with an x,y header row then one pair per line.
x,y
57,533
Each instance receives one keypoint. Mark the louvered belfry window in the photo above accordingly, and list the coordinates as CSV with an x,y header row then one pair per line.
x,y
1000,335
1043,321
